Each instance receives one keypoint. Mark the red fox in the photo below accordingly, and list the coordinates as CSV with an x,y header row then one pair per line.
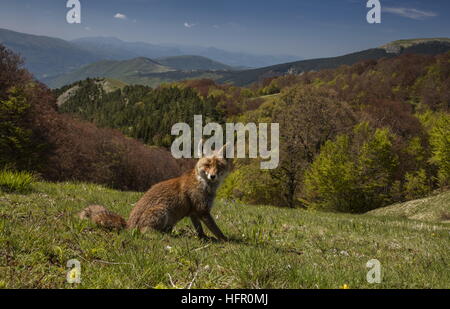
x,y
165,204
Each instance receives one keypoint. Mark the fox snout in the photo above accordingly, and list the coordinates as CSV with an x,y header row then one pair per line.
x,y
212,169
211,176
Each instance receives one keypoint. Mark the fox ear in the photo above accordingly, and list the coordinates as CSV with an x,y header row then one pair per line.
x,y
200,149
221,153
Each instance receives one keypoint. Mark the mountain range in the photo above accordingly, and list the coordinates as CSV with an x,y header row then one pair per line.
x,y
139,70
58,62
117,49
145,71
48,57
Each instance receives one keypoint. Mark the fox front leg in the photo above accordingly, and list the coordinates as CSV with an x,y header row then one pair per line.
x,y
211,224
198,227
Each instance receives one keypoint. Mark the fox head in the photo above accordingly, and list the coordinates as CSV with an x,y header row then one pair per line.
x,y
213,168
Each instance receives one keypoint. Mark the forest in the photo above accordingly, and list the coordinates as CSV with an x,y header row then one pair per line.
x,y
353,139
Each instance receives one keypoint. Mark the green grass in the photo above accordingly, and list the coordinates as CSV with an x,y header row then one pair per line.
x,y
19,182
433,208
270,247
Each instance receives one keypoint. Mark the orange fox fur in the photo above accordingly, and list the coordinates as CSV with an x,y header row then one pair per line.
x,y
165,204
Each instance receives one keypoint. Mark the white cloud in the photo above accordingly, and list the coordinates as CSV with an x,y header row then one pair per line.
x,y
189,25
120,16
410,13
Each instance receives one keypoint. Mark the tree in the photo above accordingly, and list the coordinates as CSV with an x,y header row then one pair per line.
x,y
11,72
416,185
308,117
18,147
377,163
353,173
331,181
440,143
15,137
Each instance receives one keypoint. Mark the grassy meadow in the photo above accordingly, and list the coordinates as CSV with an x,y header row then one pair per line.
x,y
269,248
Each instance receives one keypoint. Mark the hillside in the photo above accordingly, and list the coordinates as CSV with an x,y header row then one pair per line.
x,y
108,85
147,114
127,71
206,68
434,208
45,56
270,247
418,46
193,63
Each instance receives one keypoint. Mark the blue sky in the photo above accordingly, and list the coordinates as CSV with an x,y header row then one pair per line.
x,y
304,28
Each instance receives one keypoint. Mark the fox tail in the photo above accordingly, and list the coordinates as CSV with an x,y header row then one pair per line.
x,y
103,217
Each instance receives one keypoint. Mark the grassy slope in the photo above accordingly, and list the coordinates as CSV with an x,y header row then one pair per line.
x,y
111,85
124,71
108,85
272,248
434,208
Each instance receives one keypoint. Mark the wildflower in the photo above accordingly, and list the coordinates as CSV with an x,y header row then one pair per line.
x,y
345,287
345,253
161,286
73,274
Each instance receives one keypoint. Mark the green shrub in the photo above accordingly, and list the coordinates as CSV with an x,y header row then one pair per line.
x,y
417,185
249,184
13,181
440,144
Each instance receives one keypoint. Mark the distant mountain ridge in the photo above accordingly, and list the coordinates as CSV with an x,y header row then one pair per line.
x,y
431,46
48,57
121,50
193,63
143,71
175,65
58,62
400,45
